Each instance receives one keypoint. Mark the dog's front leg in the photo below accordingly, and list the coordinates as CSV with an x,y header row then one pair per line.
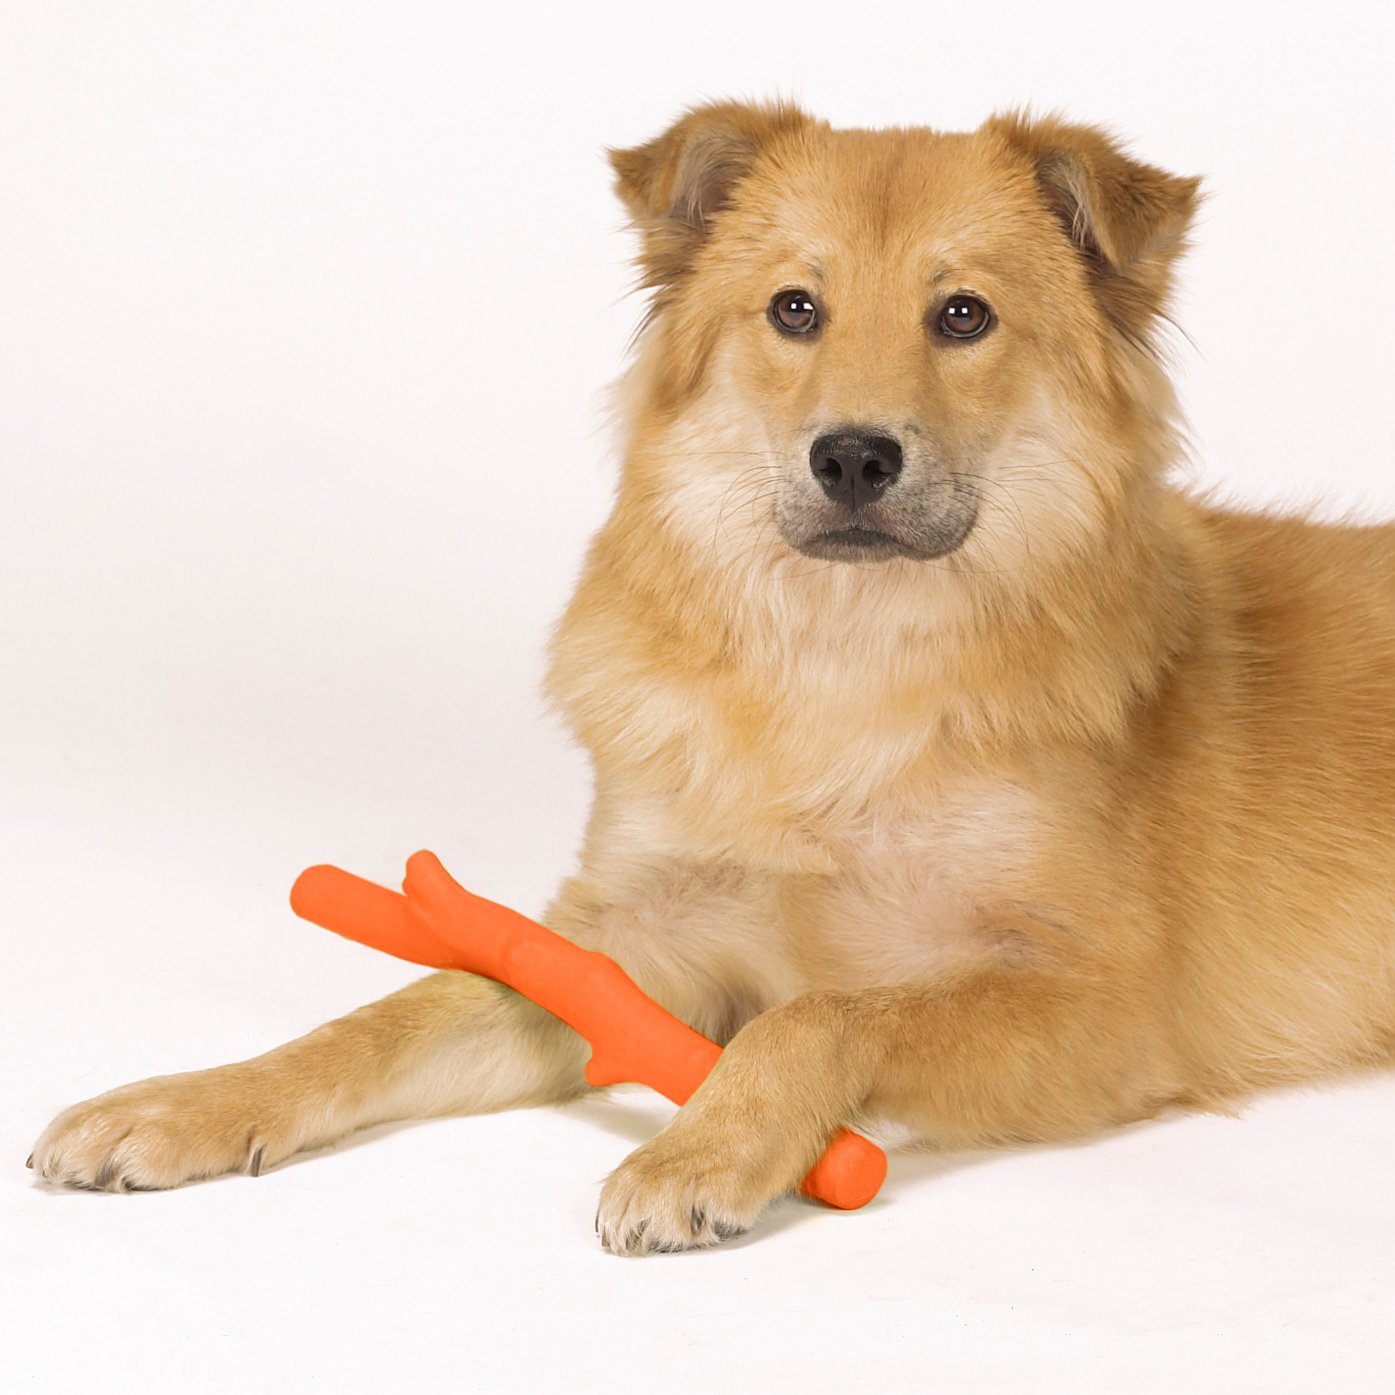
x,y
448,1043
990,1055
451,1043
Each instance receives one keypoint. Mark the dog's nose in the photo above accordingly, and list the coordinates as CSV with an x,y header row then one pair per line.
x,y
855,467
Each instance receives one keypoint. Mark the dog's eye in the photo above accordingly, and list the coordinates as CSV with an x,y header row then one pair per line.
x,y
964,317
794,312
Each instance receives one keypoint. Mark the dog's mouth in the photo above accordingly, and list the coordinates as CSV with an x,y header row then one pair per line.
x,y
851,544
933,537
922,524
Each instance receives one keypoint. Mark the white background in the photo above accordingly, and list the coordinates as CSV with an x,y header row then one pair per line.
x,y
305,313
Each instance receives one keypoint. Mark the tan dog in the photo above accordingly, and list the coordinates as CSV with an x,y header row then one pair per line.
x,y
951,765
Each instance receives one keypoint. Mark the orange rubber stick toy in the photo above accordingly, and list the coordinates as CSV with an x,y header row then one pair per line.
x,y
437,923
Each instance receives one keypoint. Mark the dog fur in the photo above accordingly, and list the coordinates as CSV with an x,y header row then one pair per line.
x,y
1073,806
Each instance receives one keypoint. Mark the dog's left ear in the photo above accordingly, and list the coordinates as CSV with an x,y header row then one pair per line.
x,y
675,184
1129,220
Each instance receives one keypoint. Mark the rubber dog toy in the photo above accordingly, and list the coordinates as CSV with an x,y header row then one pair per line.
x,y
437,923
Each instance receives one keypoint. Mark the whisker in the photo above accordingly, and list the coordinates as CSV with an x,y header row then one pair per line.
x,y
755,478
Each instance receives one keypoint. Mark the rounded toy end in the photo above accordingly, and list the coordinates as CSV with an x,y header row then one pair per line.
x,y
848,1175
307,892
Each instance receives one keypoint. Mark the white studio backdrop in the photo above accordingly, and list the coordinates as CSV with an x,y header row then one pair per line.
x,y
306,316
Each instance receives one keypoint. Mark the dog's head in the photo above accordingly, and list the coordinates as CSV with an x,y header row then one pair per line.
x,y
897,346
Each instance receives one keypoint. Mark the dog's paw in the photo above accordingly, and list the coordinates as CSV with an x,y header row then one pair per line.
x,y
159,1133
662,1199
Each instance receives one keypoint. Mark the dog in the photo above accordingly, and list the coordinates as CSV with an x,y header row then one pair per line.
x,y
955,768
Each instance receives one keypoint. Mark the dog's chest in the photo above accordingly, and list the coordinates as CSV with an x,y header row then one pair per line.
x,y
911,884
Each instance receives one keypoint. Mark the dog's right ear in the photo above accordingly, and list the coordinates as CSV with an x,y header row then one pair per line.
x,y
674,185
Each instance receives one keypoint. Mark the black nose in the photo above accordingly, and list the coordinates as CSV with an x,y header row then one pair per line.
x,y
855,467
